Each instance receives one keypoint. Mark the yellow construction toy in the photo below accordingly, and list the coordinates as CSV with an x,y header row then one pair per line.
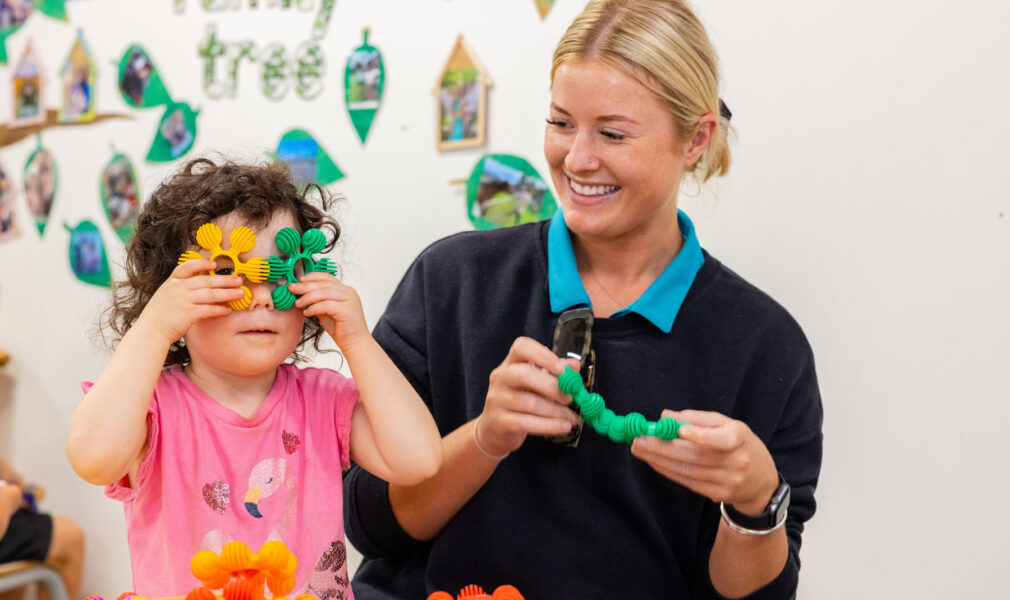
x,y
242,239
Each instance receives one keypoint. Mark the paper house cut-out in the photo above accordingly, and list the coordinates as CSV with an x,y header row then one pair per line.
x,y
29,89
78,75
461,94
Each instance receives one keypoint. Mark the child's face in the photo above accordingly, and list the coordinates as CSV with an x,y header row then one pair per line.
x,y
256,340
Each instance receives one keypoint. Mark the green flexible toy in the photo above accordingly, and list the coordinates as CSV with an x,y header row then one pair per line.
x,y
605,422
288,242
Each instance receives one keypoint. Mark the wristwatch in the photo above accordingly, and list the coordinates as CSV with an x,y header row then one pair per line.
x,y
773,516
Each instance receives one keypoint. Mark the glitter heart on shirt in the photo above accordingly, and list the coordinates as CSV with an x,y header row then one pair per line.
x,y
291,442
216,495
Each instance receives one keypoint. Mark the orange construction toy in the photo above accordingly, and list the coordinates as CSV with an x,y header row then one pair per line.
x,y
239,573
475,592
242,239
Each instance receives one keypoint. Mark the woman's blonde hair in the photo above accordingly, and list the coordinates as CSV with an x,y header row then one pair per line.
x,y
662,45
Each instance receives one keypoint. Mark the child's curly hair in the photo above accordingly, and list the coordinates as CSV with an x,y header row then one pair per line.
x,y
199,193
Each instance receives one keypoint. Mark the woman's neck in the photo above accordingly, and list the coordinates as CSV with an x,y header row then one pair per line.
x,y
616,271
242,394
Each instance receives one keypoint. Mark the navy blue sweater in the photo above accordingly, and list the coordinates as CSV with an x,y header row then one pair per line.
x,y
592,521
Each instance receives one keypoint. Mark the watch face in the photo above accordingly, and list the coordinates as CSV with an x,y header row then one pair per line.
x,y
779,504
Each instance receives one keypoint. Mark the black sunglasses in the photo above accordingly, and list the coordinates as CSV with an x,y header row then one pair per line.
x,y
573,338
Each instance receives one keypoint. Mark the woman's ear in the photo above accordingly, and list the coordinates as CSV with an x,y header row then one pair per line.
x,y
696,146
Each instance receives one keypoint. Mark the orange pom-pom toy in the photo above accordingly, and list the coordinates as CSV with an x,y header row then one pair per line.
x,y
475,592
240,574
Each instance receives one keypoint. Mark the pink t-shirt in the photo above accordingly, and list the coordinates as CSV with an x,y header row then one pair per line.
x,y
211,476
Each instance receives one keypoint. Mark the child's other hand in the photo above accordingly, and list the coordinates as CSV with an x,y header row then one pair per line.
x,y
336,304
187,296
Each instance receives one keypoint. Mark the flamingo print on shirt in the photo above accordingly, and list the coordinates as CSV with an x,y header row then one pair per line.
x,y
268,477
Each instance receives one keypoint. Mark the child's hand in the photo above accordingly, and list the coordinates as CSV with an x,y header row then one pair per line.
x,y
336,304
187,296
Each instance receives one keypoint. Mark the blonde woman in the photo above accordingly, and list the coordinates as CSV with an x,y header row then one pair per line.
x,y
660,327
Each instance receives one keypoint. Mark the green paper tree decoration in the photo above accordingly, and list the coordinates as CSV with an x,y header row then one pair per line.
x,y
87,254
308,160
505,190
176,133
364,79
120,195
40,180
18,12
140,82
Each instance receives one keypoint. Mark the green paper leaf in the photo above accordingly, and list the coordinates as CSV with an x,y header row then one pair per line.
x,y
54,8
364,80
40,181
544,7
140,83
309,162
16,20
120,195
87,254
505,190
176,133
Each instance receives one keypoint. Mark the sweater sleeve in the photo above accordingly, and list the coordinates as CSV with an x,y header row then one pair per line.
x,y
796,447
369,521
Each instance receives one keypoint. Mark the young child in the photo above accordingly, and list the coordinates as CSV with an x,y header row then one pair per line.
x,y
197,423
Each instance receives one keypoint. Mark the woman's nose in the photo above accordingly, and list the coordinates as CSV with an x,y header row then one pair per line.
x,y
581,156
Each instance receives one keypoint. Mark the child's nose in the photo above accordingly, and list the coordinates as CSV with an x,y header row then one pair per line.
x,y
262,296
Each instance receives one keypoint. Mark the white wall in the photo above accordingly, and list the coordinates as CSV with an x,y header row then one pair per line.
x,y
868,194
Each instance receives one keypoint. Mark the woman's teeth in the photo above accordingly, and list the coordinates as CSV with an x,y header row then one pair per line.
x,y
593,190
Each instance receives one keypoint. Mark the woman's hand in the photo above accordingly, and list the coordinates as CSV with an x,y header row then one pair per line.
x,y
187,296
523,398
717,457
336,304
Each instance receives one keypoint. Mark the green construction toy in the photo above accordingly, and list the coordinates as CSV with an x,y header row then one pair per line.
x,y
618,428
297,248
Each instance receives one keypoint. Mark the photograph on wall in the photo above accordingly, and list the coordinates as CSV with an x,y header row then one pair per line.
x,y
176,133
308,161
462,99
40,180
13,14
87,254
78,75
505,190
139,82
364,78
28,86
120,196
8,212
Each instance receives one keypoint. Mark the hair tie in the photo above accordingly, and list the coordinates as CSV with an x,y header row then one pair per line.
x,y
724,111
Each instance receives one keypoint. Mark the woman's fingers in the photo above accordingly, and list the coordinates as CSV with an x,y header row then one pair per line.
x,y
528,377
528,350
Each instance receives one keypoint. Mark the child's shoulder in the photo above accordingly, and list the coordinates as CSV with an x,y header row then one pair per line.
x,y
312,380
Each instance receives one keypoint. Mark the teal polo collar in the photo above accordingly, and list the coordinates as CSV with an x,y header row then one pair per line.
x,y
660,303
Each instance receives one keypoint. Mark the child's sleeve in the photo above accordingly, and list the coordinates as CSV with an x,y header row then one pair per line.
x,y
345,398
121,489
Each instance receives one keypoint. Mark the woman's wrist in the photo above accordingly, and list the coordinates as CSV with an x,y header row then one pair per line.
x,y
759,502
483,448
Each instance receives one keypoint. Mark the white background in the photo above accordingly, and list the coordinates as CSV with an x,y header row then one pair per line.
x,y
868,194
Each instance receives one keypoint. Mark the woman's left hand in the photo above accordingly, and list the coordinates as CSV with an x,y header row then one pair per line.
x,y
335,303
717,457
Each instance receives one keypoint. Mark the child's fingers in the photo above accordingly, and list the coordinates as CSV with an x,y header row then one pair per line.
x,y
211,311
325,307
324,293
214,281
193,267
209,295
318,276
